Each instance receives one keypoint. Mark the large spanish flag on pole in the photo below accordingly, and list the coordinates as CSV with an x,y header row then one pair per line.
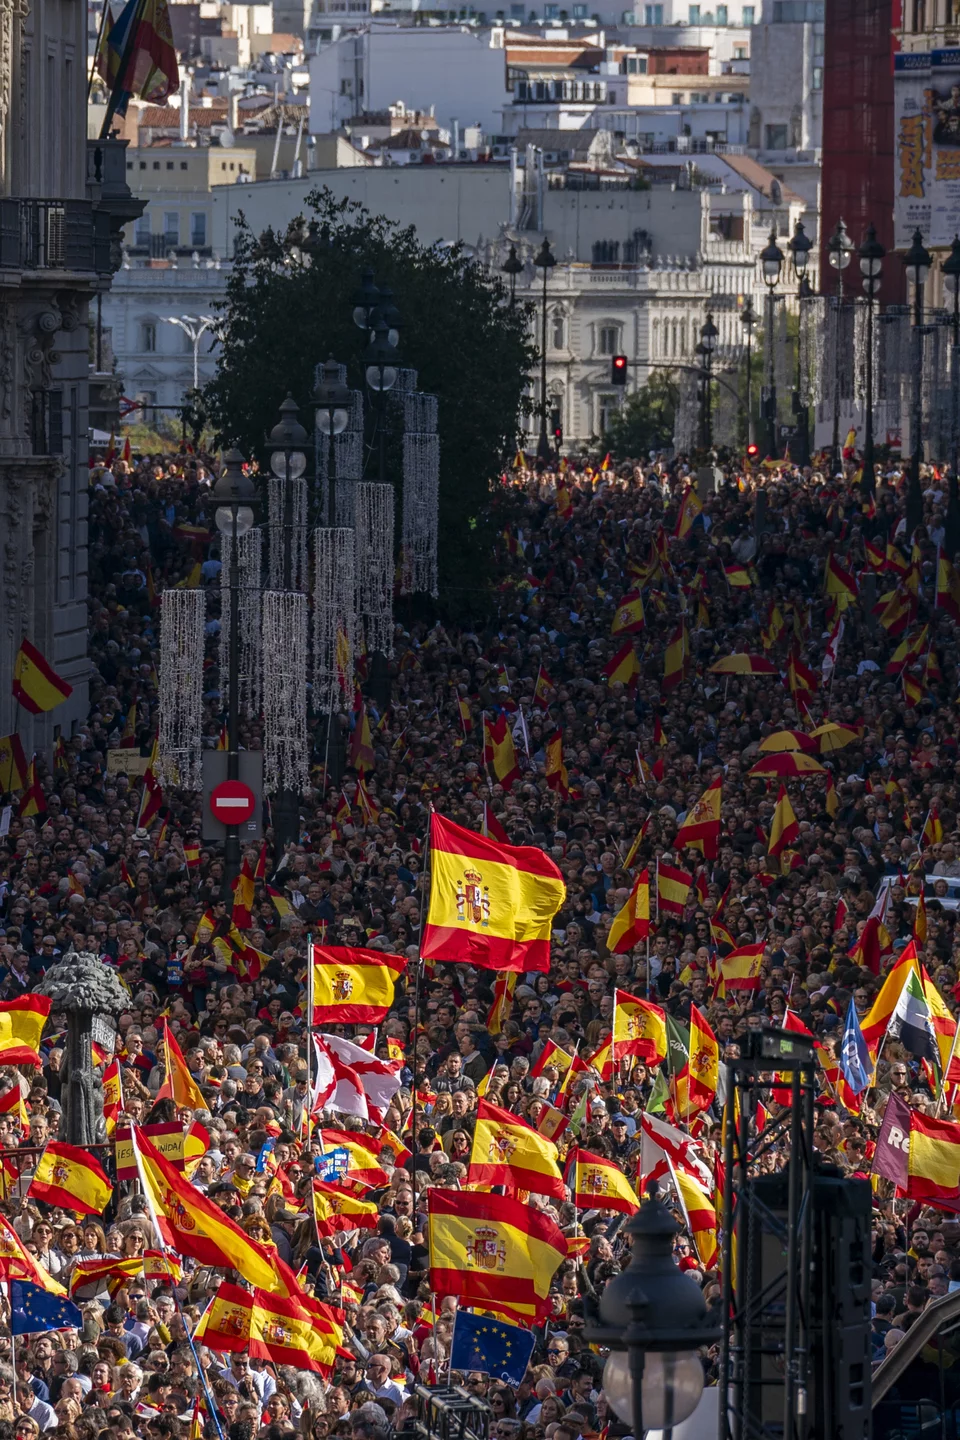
x,y
36,685
490,905
283,1330
695,1085
933,1160
673,887
178,1084
700,1214
67,1175
353,986
701,827
598,1183
784,827
194,1225
225,1324
499,752
336,1209
492,1251
740,970
507,1151
21,1025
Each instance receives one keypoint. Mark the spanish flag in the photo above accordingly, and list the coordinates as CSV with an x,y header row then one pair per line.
x,y
629,618
623,667
933,1160
932,832
740,970
564,503
21,1025
466,717
493,1252
499,751
739,577
639,1029
194,1225
32,801
641,836
243,897
551,1054
743,663
554,769
673,887
502,1007
112,1096
701,1217
36,686
280,902
178,1084
701,826
353,986
283,1329
69,1176
225,1324
13,763
364,1162
544,690
690,508
948,589
335,1209
16,1262
839,583
785,827
361,743
98,1272
632,923
490,905
799,676
12,1103
509,1152
599,1184
675,657
695,1086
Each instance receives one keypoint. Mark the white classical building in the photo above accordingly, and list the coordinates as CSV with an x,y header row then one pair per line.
x,y
162,320
61,204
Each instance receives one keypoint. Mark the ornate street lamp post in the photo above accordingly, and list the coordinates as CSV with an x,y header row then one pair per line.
x,y
800,246
749,320
653,1321
234,497
771,263
916,264
708,341
839,251
512,266
871,254
545,261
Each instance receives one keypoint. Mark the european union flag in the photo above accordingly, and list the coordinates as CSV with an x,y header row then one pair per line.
x,y
32,1310
482,1343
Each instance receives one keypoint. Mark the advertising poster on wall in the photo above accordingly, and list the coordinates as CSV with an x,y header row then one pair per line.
x,y
927,147
912,145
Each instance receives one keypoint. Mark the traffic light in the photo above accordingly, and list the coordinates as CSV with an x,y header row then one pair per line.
x,y
557,426
752,451
618,370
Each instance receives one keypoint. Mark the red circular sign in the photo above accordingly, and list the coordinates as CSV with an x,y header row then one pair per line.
x,y
232,802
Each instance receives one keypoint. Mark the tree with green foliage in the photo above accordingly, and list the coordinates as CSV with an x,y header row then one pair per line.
x,y
646,421
289,307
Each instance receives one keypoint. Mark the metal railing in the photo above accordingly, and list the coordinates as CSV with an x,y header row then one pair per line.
x,y
53,235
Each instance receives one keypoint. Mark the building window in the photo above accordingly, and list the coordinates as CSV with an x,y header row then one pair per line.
x,y
156,164
198,229
608,406
676,98
580,12
608,339
142,231
551,12
816,82
694,15
740,52
169,164
721,14
653,14
559,332
148,336
183,165
776,137
747,17
171,227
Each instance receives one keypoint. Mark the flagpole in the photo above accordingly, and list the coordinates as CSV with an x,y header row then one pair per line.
x,y
424,896
129,47
13,1338
309,1012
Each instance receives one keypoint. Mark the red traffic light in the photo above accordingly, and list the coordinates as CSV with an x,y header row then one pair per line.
x,y
619,362
753,451
618,369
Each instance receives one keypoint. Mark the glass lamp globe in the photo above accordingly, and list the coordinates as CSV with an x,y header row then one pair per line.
x,y
672,1386
297,461
339,418
381,379
230,522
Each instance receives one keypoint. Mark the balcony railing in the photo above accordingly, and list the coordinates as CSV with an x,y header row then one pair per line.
x,y
54,235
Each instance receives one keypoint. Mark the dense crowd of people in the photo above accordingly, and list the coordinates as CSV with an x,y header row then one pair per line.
x,y
638,753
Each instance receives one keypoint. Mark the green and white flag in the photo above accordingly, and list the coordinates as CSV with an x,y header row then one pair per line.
x,y
912,1024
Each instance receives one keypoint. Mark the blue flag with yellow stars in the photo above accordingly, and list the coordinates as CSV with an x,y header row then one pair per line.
x,y
482,1343
33,1310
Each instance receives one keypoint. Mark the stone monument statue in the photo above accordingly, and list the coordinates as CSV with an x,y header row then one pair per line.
x,y
88,992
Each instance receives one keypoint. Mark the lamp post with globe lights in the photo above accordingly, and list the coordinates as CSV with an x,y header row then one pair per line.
x,y
653,1321
234,497
916,265
800,246
545,261
871,255
771,263
951,284
839,252
749,320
